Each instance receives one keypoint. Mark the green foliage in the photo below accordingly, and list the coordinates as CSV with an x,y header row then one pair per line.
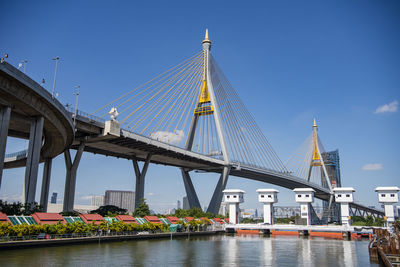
x,y
196,213
142,209
109,210
7,229
17,208
251,220
286,220
367,221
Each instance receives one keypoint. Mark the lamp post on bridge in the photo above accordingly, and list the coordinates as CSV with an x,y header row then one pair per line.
x,y
55,75
76,104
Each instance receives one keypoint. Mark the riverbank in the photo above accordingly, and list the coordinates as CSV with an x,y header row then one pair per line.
x,y
99,239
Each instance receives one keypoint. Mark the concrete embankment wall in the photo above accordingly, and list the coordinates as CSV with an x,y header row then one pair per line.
x,y
94,239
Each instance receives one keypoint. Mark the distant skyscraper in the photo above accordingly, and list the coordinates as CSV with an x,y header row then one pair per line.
x,y
185,202
121,199
178,204
97,201
53,199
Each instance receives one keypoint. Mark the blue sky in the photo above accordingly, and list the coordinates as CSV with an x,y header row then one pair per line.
x,y
289,61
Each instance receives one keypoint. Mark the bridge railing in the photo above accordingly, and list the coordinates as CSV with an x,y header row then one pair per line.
x,y
17,154
71,110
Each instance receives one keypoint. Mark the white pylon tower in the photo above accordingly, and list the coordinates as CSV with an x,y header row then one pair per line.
x,y
317,160
207,106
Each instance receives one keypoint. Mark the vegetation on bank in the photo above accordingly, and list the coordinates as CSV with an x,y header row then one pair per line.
x,y
7,229
367,221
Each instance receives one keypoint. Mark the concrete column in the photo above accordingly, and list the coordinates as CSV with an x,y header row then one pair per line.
x,y
4,122
140,179
216,199
268,218
32,161
344,211
190,191
234,213
70,179
44,196
305,212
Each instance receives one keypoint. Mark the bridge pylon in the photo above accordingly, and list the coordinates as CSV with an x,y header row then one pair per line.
x,y
207,105
317,159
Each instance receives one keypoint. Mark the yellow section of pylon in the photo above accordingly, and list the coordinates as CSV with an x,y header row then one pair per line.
x,y
316,159
204,95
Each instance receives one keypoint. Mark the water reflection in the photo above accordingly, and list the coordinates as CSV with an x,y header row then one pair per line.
x,y
222,250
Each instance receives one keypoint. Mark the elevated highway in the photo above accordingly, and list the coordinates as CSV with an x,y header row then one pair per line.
x,y
28,111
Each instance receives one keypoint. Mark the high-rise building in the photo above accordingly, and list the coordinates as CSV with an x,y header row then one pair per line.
x,y
97,201
178,204
53,199
121,199
185,202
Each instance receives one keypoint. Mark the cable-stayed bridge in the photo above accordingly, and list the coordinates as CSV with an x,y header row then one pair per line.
x,y
189,117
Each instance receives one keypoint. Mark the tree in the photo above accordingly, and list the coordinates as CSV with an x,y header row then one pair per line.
x,y
109,210
142,209
17,208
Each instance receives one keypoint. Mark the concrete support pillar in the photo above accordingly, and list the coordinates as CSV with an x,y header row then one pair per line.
x,y
216,199
234,213
268,218
140,179
70,179
4,122
190,191
33,158
305,211
344,211
44,196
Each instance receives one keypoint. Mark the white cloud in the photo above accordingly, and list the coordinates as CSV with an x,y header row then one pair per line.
x,y
391,107
372,167
168,137
11,197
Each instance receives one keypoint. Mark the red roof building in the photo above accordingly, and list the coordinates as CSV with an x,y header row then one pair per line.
x,y
152,219
218,220
173,219
4,218
48,218
206,219
89,218
126,219
189,219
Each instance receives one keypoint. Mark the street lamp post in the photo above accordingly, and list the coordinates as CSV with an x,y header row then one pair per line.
x,y
55,74
76,103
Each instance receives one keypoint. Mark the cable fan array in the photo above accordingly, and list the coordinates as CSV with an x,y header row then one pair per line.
x,y
301,162
245,141
165,107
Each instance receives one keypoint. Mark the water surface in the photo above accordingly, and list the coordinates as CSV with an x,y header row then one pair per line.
x,y
221,250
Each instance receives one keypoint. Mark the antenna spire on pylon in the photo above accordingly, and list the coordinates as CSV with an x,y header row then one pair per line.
x,y
206,40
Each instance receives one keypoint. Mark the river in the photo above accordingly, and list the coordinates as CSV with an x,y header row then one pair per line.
x,y
220,250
